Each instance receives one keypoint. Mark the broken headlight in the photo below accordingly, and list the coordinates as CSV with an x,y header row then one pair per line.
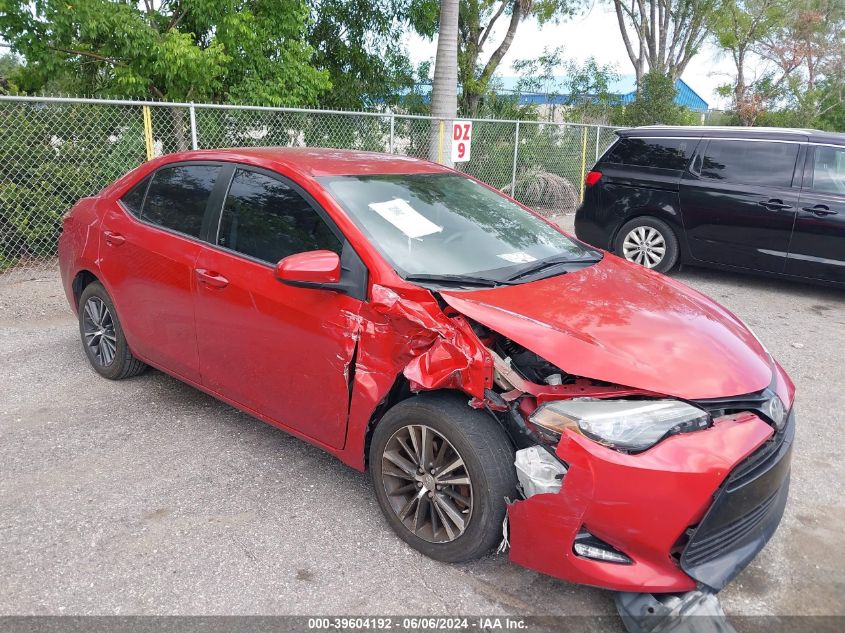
x,y
626,425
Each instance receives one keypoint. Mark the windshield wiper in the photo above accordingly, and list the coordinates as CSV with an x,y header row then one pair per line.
x,y
543,264
456,280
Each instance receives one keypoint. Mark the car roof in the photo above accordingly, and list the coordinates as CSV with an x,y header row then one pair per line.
x,y
318,161
713,131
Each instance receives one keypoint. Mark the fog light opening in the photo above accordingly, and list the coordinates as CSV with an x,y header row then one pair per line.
x,y
588,546
538,471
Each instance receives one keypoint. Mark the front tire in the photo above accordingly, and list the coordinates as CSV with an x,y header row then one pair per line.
x,y
102,336
648,242
441,472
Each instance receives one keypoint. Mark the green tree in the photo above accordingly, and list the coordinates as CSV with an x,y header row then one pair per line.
x,y
655,104
588,88
359,43
662,36
738,27
222,50
10,69
584,87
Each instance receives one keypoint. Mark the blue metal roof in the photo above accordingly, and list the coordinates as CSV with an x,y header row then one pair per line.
x,y
686,97
624,89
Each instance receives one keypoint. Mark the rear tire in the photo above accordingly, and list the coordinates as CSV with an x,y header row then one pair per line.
x,y
648,242
102,336
456,522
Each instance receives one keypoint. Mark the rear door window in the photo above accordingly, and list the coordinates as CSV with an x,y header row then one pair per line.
x,y
265,218
662,153
829,170
178,196
765,163
133,200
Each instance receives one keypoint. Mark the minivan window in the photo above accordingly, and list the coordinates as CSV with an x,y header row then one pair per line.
x,y
829,170
267,219
750,162
133,199
665,153
178,196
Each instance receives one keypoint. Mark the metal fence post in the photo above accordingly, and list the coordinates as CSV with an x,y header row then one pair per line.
x,y
392,131
598,136
515,156
583,160
193,112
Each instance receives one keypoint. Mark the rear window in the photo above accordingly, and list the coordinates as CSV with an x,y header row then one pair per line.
x,y
177,197
750,162
663,153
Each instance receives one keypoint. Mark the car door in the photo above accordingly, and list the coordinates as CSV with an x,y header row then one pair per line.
x,y
282,351
149,245
817,248
739,201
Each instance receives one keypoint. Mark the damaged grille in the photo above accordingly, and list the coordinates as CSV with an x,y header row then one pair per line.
x,y
702,550
759,461
745,513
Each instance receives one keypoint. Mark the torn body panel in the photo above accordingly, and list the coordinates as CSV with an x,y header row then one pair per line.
x,y
408,334
657,494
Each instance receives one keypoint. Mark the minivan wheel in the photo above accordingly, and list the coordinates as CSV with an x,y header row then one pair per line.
x,y
102,337
648,242
441,472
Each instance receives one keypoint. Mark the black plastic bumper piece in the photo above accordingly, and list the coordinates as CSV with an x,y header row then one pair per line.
x,y
745,513
691,612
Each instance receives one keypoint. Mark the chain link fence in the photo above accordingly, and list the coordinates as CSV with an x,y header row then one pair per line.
x,y
54,151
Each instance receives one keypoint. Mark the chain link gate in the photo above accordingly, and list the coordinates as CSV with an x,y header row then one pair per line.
x,y
54,151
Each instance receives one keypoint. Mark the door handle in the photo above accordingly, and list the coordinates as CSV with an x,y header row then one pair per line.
x,y
114,239
774,204
212,279
820,210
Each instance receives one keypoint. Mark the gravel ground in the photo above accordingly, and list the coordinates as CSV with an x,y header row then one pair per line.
x,y
148,497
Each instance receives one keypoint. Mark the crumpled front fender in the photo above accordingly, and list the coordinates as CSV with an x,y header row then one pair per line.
x,y
408,334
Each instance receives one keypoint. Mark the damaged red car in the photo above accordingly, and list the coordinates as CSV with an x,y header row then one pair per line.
x,y
502,381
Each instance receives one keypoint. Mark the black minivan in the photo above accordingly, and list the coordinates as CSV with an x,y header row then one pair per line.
x,y
762,200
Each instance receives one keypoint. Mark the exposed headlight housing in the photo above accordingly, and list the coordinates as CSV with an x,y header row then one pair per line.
x,y
625,425
777,411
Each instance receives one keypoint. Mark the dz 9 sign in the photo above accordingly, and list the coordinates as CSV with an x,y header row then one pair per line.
x,y
461,139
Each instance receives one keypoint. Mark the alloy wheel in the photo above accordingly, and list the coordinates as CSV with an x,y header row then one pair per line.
x,y
644,245
98,330
427,483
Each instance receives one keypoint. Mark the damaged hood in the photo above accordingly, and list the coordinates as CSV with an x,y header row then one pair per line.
x,y
620,323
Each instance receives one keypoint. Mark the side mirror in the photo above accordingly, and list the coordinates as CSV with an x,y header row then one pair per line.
x,y
312,269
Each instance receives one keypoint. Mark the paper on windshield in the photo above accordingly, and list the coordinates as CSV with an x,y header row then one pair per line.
x,y
518,258
405,218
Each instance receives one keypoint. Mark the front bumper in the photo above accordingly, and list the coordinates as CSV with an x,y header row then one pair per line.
x,y
658,507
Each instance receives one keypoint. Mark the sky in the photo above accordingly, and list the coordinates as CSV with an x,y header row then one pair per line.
x,y
595,34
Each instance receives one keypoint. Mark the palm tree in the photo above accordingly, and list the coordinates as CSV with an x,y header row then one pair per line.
x,y
444,93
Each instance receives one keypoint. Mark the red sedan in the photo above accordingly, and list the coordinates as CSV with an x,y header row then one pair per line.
x,y
485,367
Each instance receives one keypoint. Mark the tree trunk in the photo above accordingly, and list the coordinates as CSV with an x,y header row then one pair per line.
x,y
444,93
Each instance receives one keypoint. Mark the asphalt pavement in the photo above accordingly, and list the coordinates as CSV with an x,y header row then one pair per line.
x,y
146,496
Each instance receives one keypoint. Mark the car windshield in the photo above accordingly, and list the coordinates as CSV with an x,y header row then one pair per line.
x,y
449,225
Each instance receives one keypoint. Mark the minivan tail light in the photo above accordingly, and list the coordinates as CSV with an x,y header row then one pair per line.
x,y
592,177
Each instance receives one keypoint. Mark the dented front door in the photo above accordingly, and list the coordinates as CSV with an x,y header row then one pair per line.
x,y
281,351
